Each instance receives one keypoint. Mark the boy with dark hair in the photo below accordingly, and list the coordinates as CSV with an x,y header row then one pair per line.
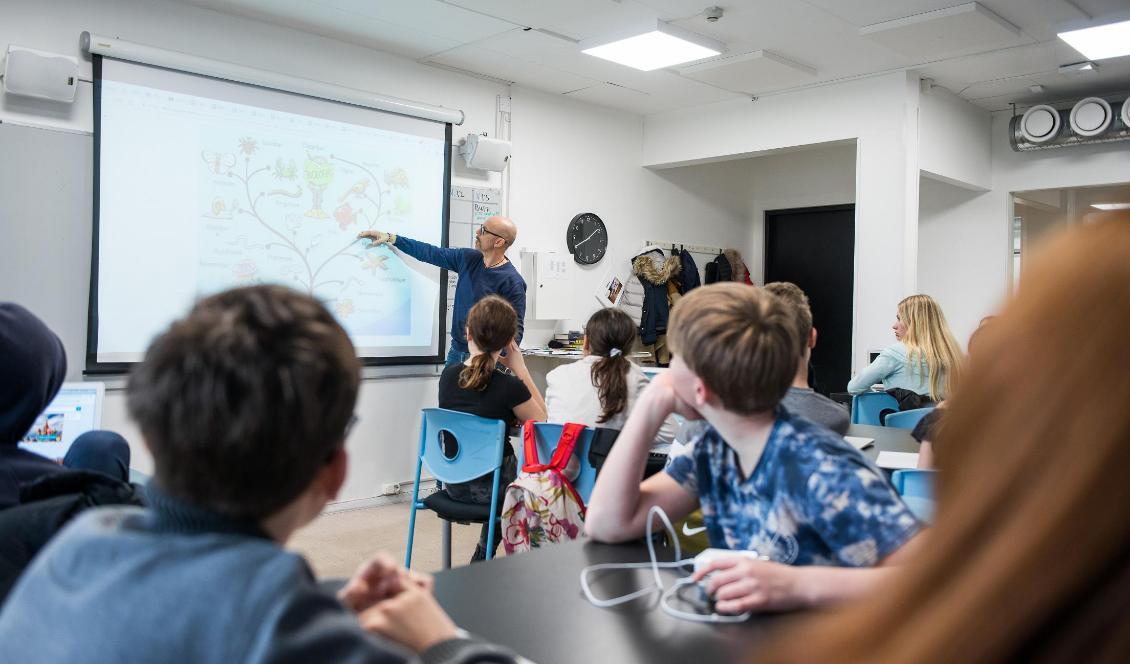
x,y
245,405
767,481
801,399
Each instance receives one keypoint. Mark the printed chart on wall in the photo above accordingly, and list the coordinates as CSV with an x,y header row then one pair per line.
x,y
470,207
206,185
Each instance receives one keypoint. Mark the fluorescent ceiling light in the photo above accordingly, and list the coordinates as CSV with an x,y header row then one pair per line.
x,y
658,46
1100,42
1111,206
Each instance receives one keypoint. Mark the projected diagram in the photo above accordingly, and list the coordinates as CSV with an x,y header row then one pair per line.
x,y
288,211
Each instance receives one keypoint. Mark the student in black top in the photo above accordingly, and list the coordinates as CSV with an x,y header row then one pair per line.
x,y
490,385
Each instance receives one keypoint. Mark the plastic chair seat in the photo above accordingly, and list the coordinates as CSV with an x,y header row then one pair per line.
x,y
449,509
866,407
907,419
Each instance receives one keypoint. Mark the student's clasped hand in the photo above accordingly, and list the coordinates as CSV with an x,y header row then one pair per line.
x,y
397,603
380,578
740,584
413,619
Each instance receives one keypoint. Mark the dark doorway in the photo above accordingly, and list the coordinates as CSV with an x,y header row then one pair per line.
x,y
815,249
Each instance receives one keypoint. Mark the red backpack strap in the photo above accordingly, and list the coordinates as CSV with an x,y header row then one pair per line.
x,y
565,445
529,443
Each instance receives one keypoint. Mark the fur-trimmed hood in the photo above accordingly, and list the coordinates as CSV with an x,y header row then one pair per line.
x,y
645,267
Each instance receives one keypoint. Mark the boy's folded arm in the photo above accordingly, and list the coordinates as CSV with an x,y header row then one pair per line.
x,y
624,520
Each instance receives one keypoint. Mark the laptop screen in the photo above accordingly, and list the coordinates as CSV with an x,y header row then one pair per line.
x,y
76,409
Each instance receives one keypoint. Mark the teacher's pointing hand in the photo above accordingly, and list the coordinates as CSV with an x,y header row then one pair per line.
x,y
378,237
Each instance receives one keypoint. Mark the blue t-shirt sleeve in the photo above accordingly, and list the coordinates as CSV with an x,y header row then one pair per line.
x,y
857,513
681,468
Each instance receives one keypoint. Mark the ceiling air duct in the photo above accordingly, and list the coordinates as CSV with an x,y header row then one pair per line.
x,y
1091,120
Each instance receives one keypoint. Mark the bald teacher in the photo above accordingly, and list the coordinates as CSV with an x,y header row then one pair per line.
x,y
483,271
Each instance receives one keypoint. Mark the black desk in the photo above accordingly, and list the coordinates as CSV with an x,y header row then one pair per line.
x,y
533,603
887,439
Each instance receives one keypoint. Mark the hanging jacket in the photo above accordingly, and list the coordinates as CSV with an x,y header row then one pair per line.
x,y
738,269
653,277
688,273
719,270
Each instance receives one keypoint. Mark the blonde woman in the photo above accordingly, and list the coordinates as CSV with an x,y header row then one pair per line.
x,y
924,359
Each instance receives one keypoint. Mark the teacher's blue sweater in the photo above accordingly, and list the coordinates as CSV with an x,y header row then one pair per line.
x,y
476,281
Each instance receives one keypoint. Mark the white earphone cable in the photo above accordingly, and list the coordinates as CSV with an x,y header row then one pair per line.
x,y
664,593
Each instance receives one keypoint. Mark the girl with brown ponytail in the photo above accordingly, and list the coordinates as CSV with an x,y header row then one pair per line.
x,y
600,388
482,386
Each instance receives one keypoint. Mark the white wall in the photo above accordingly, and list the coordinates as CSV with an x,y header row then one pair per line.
x,y
954,137
880,114
569,157
965,241
823,175
963,276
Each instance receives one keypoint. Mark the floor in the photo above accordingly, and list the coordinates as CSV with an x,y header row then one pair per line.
x,y
336,543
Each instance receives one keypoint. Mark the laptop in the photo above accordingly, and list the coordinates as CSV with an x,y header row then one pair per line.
x,y
76,409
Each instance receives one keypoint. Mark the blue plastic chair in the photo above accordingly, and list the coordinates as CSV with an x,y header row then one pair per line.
x,y
917,490
481,445
907,419
546,436
865,408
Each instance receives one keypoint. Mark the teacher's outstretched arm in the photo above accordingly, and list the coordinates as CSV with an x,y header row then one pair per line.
x,y
446,258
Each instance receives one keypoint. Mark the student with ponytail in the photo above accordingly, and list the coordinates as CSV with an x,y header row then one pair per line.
x,y
481,386
600,389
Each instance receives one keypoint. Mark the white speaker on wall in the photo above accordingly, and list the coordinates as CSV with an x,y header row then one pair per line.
x,y
485,154
31,73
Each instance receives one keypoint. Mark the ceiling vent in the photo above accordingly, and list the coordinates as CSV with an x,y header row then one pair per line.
x,y
1091,120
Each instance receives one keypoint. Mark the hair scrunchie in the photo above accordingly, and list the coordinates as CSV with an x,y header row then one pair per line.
x,y
615,352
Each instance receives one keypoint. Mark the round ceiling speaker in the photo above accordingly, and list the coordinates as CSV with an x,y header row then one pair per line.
x,y
1040,124
1091,116
1126,112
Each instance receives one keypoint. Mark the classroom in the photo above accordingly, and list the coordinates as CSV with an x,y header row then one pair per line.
x,y
286,265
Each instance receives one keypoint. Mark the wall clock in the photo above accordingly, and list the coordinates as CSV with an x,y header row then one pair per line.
x,y
587,238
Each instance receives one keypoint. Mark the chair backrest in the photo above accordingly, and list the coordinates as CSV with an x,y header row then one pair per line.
x,y
480,444
914,483
865,408
546,436
907,419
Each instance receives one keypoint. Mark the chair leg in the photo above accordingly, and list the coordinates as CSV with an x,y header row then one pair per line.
x,y
446,544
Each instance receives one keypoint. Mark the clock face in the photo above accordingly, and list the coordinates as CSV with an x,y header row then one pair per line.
x,y
587,238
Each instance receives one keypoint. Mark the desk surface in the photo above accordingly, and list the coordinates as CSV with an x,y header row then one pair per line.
x,y
887,439
533,603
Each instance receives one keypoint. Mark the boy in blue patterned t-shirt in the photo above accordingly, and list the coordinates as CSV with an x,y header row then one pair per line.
x,y
766,480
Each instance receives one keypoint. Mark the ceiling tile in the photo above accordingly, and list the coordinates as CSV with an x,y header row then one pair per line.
x,y
866,12
499,65
966,28
347,26
758,71
430,17
615,96
539,13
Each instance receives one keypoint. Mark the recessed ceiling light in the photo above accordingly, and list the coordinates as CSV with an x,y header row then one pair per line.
x,y
1100,42
1111,206
655,47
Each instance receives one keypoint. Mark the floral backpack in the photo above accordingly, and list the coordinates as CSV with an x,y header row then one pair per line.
x,y
541,504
